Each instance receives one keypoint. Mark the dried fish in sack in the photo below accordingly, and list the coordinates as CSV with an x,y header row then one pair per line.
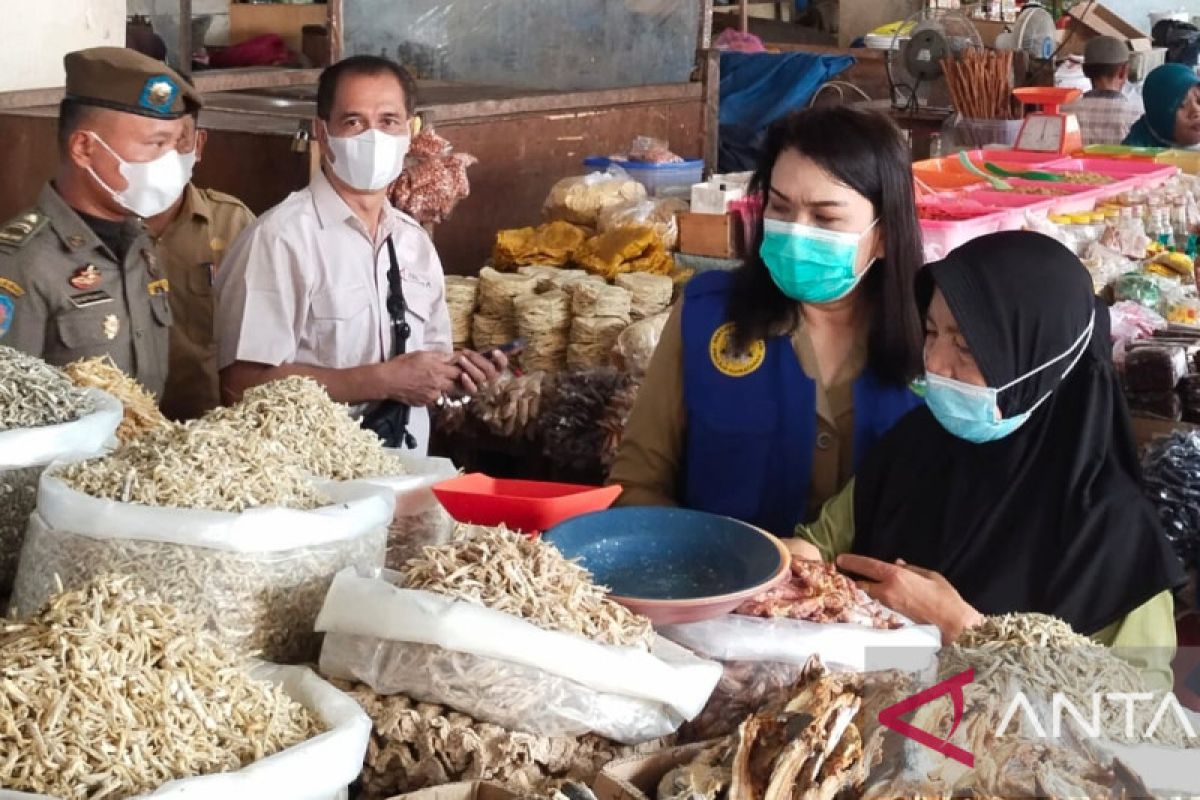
x,y
525,577
34,394
109,692
141,409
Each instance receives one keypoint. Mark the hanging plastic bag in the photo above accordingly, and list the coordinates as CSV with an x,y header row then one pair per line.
x,y
25,453
318,769
497,668
258,577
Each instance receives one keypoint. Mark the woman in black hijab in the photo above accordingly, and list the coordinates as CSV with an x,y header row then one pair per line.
x,y
1023,497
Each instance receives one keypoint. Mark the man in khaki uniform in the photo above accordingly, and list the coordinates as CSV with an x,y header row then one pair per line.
x,y
190,239
78,275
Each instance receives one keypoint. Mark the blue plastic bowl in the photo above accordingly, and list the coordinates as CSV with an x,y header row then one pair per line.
x,y
673,565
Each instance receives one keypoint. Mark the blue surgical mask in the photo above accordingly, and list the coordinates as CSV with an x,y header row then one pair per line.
x,y
972,412
811,265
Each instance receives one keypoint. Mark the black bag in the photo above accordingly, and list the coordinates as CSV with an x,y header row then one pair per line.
x,y
1181,39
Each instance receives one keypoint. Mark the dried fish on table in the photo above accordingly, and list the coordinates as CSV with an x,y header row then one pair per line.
x,y
817,592
806,744
525,577
141,409
110,693
745,687
417,745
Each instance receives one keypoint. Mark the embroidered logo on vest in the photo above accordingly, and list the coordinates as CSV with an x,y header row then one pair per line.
x,y
731,363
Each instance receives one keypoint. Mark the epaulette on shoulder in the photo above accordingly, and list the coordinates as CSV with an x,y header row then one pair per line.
x,y
18,231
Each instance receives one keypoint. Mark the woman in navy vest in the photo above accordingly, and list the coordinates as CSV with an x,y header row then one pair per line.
x,y
771,383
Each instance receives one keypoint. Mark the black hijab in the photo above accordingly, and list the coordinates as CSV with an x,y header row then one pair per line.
x,y
1051,518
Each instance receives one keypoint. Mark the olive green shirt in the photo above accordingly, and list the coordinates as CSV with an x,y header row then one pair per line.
x,y
190,249
649,464
1145,636
73,298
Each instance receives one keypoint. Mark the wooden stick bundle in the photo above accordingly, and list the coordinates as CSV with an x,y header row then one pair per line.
x,y
981,83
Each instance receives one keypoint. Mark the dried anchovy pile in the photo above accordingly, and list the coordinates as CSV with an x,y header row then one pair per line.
x,y
200,465
141,409
315,432
527,578
109,693
1042,655
264,451
417,745
34,394
254,603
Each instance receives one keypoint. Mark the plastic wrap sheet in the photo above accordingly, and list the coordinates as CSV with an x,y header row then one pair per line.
x,y
419,519
501,669
564,45
258,578
318,769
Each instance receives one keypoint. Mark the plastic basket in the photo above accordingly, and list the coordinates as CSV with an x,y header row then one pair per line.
x,y
658,178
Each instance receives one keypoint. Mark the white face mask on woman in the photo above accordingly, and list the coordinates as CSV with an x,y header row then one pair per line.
x,y
369,161
151,186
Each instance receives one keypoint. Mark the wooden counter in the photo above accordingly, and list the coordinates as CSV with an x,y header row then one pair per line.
x,y
525,141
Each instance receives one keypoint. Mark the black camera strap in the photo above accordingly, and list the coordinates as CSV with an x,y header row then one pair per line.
x,y
390,419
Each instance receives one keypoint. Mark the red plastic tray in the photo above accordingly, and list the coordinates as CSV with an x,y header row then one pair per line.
x,y
529,506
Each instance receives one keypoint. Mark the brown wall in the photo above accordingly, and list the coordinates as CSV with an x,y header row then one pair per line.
x,y
521,156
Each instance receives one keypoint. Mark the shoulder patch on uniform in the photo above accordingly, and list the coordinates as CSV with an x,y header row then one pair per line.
x,y
16,232
7,309
12,287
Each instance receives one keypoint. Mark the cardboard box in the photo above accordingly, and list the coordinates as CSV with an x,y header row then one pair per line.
x,y
467,790
637,777
1089,20
716,236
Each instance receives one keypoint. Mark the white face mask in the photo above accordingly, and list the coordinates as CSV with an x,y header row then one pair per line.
x,y
369,161
151,186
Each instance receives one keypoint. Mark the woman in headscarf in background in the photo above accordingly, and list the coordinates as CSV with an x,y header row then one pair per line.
x,y
1172,118
1016,487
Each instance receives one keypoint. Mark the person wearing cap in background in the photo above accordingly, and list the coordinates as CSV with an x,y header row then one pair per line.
x,y
1172,118
1105,113
78,274
191,238
336,284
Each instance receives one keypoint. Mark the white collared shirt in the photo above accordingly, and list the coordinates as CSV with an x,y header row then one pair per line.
x,y
306,284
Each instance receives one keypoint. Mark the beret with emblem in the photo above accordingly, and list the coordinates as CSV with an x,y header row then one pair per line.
x,y
125,80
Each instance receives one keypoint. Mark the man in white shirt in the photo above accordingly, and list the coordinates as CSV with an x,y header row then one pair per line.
x,y
306,289
1105,113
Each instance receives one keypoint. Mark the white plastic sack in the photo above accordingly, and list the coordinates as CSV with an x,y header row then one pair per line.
x,y
318,769
419,519
258,577
25,452
736,637
571,684
1166,771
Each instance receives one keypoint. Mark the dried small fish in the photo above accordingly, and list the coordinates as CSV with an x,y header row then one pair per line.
x,y
18,498
527,578
252,602
264,451
141,409
109,692
34,394
416,745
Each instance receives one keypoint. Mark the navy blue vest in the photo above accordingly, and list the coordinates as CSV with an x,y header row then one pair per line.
x,y
751,436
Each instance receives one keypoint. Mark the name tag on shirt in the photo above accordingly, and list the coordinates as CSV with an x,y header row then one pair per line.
x,y
89,299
